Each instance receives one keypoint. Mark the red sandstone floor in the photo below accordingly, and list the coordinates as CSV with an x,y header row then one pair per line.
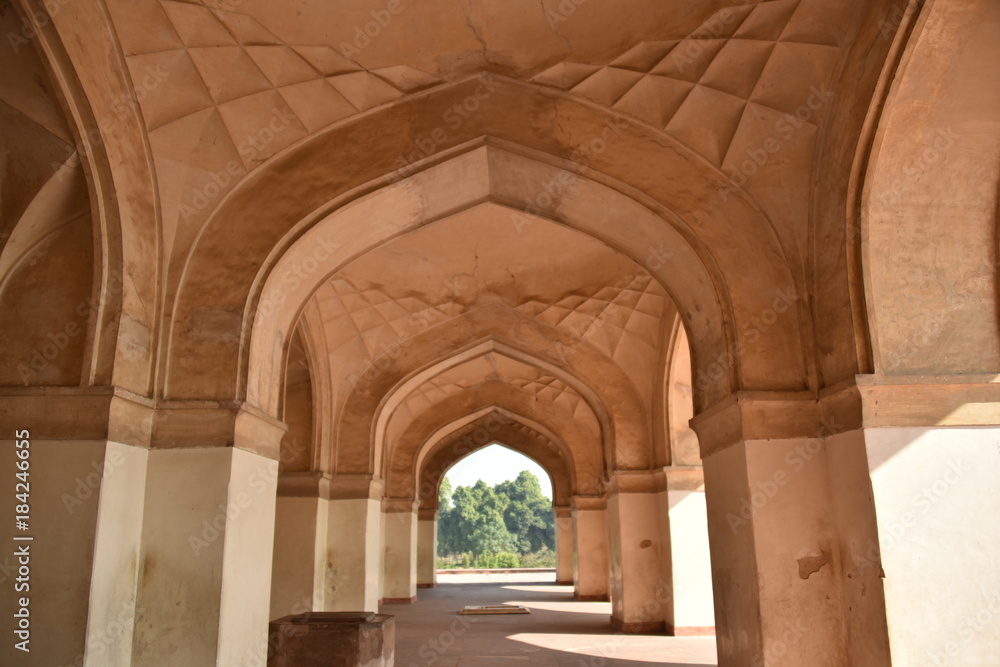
x,y
559,630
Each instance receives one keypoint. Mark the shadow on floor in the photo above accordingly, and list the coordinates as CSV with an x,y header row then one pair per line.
x,y
560,631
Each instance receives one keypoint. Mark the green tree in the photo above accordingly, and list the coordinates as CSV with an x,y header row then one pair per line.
x,y
478,520
444,495
446,528
528,515
512,517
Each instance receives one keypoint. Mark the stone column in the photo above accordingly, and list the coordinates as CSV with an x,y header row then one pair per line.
x,y
565,543
298,579
400,558
933,456
641,579
590,527
690,559
354,543
784,509
207,540
427,548
85,506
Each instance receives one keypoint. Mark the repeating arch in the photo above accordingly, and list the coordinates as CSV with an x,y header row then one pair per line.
x,y
510,429
299,186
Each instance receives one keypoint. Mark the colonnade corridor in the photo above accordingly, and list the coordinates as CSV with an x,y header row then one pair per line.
x,y
560,630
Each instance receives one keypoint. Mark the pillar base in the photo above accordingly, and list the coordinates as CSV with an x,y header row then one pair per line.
x,y
603,597
648,628
426,585
410,600
560,582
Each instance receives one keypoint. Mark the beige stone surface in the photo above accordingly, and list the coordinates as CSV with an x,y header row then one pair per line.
x,y
718,266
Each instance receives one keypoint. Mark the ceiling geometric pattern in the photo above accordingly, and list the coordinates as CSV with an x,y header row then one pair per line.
x,y
700,88
228,61
549,391
608,316
366,320
221,93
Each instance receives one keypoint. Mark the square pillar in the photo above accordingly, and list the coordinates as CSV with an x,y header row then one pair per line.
x,y
354,543
299,579
641,586
590,571
400,557
777,546
565,543
693,609
207,544
933,454
427,548
85,523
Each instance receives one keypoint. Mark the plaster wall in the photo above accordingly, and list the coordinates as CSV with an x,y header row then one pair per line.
x,y
942,578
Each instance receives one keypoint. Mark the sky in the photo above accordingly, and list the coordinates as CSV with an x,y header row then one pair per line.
x,y
495,464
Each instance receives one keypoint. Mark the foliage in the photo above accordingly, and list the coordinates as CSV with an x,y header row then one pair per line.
x,y
444,495
543,558
507,525
468,560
